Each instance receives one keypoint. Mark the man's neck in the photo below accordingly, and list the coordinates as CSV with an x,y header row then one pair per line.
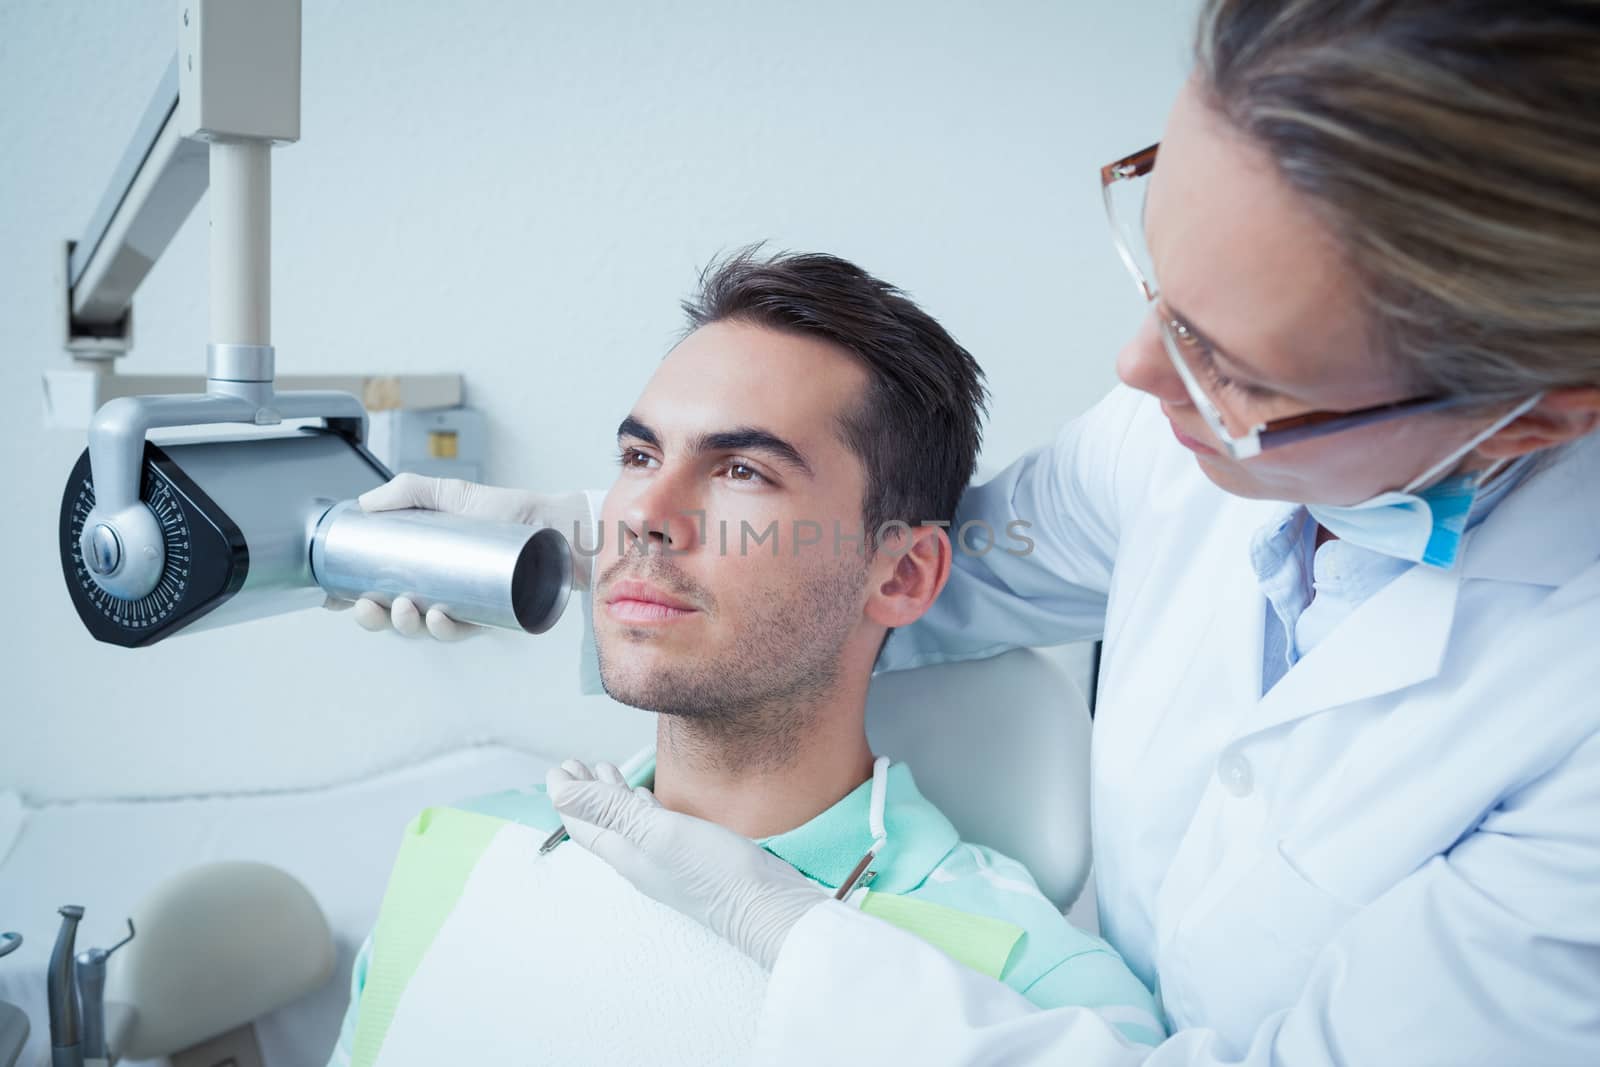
x,y
765,779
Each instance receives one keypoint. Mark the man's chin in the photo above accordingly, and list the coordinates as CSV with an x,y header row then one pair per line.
x,y
625,693
646,694
637,673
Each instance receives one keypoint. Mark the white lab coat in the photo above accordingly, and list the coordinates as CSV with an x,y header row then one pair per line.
x,y
1393,857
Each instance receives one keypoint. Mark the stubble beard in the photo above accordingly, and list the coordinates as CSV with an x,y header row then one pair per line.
x,y
753,705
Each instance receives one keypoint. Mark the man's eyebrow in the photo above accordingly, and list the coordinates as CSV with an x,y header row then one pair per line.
x,y
752,439
632,427
1205,338
738,439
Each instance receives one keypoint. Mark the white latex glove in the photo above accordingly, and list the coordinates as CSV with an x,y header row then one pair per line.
x,y
739,890
478,501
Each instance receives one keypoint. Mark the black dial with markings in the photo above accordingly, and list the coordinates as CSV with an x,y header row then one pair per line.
x,y
206,558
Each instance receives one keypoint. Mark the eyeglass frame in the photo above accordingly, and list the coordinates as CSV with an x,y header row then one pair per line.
x,y
1274,433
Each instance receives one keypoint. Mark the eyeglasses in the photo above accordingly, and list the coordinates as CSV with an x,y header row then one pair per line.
x,y
1231,409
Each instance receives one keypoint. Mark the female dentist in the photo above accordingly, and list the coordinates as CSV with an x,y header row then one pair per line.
x,y
1341,534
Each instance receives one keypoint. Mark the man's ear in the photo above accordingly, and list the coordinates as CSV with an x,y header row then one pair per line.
x,y
909,570
1563,415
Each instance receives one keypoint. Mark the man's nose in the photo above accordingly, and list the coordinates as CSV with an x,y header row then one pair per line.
x,y
1144,364
665,514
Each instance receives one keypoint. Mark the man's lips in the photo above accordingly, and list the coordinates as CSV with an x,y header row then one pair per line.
x,y
631,600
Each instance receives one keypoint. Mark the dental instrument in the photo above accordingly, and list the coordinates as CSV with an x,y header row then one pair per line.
x,y
92,1004
66,1039
639,769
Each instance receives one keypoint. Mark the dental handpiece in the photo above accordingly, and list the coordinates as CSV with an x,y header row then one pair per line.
x,y
61,987
92,995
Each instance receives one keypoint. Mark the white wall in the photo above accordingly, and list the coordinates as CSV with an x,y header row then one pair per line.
x,y
521,192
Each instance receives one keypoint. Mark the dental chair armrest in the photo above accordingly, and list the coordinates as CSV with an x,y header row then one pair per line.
x,y
217,946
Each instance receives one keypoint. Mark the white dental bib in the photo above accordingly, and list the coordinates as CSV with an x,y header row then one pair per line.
x,y
556,959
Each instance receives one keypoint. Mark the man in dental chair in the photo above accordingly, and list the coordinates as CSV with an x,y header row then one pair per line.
x,y
783,477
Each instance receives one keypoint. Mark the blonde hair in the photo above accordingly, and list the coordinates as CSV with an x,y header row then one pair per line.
x,y
1453,148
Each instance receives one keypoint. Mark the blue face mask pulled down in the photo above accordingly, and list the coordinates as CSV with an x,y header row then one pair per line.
x,y
1423,526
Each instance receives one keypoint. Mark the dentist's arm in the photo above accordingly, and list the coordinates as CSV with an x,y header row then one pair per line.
x,y
1035,545
573,514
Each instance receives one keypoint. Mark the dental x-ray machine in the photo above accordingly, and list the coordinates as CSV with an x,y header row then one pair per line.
x,y
225,526
159,539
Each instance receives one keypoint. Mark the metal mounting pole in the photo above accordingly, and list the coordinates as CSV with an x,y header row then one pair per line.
x,y
239,359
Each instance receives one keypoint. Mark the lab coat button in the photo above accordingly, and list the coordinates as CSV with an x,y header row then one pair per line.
x,y
1233,771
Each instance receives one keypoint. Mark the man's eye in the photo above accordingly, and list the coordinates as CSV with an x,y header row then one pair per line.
x,y
632,457
742,472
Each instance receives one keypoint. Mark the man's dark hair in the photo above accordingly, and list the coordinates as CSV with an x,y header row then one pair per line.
x,y
918,428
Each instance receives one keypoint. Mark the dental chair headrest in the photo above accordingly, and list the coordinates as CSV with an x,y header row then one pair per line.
x,y
1001,745
218,946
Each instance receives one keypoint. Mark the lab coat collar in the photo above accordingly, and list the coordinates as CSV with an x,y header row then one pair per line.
x,y
1548,528
1397,638
1543,532
828,847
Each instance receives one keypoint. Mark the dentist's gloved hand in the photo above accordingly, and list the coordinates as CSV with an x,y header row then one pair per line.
x,y
458,497
742,892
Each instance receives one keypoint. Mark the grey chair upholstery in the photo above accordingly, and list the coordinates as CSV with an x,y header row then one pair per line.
x,y
1002,747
